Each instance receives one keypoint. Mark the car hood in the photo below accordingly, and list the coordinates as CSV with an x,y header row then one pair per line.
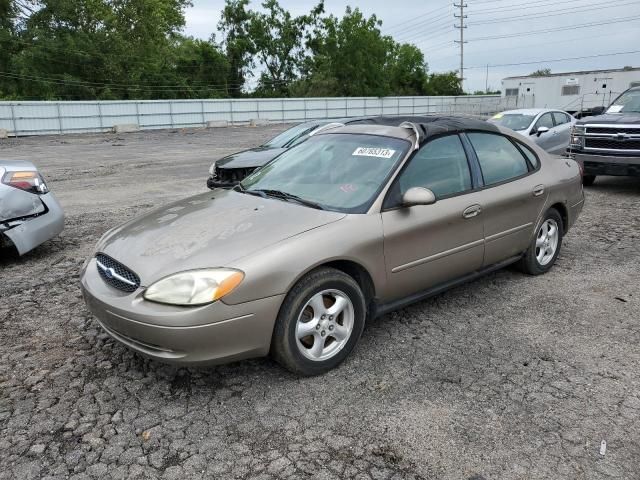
x,y
612,118
208,230
254,157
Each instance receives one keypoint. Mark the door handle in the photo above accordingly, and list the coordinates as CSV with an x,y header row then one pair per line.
x,y
472,211
538,190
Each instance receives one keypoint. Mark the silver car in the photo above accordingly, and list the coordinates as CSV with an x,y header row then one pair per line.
x,y
29,213
550,129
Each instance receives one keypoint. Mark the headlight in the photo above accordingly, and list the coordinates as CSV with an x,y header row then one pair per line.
x,y
577,134
212,169
194,287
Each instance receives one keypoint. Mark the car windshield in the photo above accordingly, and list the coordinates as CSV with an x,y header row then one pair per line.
x,y
340,172
514,121
626,103
289,137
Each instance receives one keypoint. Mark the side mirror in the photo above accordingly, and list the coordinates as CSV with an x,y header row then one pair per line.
x,y
597,111
542,130
418,196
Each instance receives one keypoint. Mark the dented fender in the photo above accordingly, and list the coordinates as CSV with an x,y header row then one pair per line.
x,y
30,231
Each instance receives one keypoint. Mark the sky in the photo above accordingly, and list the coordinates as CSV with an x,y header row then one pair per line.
x,y
555,30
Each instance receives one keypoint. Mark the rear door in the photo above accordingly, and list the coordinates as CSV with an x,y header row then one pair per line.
x,y
513,196
561,132
427,245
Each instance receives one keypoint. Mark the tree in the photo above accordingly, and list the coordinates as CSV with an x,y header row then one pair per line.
x,y
85,49
407,70
447,83
278,43
234,25
349,54
541,72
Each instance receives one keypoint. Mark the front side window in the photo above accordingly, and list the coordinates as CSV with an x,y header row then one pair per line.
x,y
441,166
340,172
499,159
545,120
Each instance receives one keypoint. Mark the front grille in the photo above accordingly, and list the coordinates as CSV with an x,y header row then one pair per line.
x,y
612,144
116,274
232,175
612,130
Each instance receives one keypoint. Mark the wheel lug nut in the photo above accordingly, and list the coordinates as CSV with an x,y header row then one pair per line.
x,y
330,327
323,317
323,333
317,327
330,317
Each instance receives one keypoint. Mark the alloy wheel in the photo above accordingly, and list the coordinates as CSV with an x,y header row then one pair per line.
x,y
324,325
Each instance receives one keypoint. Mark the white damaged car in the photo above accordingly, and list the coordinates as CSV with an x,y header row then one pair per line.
x,y
29,213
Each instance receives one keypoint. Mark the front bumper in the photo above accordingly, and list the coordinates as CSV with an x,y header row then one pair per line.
x,y
609,164
27,234
207,335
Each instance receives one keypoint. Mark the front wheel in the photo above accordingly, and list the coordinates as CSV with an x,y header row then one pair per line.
x,y
587,180
545,247
319,323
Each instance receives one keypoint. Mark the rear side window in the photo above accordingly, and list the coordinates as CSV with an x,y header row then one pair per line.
x,y
441,166
499,159
533,159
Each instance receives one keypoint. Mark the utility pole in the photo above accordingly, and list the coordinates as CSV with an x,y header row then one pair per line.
x,y
461,26
486,81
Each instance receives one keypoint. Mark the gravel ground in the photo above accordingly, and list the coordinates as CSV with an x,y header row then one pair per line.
x,y
509,377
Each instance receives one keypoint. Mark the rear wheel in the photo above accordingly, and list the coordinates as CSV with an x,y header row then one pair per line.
x,y
319,323
587,180
545,247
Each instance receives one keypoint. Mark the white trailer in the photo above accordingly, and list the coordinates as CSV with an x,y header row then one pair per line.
x,y
570,91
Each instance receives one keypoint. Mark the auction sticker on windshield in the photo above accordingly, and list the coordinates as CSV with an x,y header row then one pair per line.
x,y
374,152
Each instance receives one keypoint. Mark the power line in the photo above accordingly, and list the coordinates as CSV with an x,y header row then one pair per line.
x,y
550,13
517,6
421,26
558,59
549,30
428,14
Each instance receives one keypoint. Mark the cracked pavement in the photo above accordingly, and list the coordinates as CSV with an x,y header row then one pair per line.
x,y
508,377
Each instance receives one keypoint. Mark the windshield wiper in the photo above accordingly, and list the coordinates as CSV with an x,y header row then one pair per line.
x,y
285,196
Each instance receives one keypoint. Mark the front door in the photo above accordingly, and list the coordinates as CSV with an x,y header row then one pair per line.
x,y
546,140
427,245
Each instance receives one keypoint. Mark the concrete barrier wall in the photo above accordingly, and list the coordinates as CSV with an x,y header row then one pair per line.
x,y
59,117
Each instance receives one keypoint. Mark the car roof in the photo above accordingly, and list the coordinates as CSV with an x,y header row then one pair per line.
x,y
531,111
426,127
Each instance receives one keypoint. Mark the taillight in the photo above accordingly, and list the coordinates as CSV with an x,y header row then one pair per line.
x,y
27,181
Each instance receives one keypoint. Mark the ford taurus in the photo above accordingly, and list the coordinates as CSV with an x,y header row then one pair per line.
x,y
355,222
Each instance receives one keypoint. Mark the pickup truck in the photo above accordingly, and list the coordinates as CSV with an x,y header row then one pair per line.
x,y
609,143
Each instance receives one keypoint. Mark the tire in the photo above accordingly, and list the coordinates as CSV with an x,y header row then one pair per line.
x,y
302,312
535,261
587,180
